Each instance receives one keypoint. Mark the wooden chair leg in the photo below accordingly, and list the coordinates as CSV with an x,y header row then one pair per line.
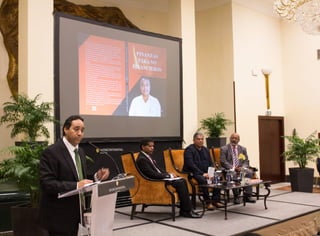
x,y
133,210
143,207
173,212
193,200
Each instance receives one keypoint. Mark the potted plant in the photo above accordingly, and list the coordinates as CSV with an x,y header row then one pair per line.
x,y
25,116
301,151
215,126
23,168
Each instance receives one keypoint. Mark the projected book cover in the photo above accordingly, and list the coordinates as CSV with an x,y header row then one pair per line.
x,y
119,78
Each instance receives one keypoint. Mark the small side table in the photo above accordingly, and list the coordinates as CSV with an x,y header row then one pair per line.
x,y
227,187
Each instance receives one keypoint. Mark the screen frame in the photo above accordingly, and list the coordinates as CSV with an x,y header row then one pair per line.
x,y
58,127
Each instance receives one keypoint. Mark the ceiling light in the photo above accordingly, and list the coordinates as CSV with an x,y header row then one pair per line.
x,y
305,12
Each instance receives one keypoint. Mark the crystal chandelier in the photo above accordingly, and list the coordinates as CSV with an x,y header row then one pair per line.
x,y
305,12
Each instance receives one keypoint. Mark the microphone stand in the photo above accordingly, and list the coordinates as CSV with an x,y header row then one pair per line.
x,y
98,150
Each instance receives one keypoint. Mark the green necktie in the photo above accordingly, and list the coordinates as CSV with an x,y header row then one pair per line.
x,y
78,163
80,175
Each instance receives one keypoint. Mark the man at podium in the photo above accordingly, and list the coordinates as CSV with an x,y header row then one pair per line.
x,y
62,169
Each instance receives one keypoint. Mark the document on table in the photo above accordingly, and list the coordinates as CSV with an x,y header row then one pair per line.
x,y
170,179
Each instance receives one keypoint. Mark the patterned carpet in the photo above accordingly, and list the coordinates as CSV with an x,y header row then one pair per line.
x,y
288,188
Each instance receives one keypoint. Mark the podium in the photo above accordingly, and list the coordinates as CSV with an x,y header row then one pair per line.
x,y
99,222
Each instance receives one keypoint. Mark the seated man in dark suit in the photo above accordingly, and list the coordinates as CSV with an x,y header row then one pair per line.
x,y
197,159
230,159
149,168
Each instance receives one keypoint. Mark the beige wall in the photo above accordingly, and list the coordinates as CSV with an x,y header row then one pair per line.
x,y
153,20
301,73
257,45
215,62
233,42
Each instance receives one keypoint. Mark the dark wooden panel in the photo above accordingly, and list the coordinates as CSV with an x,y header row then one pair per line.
x,y
271,146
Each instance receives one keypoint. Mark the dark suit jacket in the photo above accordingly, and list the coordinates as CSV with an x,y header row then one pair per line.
x,y
148,169
226,156
194,163
58,175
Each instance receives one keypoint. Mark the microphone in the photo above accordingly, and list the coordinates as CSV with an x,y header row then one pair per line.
x,y
97,148
99,151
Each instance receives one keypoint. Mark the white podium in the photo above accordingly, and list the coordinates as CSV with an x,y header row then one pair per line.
x,y
99,222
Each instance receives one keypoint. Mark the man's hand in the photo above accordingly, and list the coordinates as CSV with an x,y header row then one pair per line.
x,y
103,174
172,175
83,182
206,175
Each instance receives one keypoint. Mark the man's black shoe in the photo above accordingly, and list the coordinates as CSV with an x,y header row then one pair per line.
x,y
250,200
236,200
190,214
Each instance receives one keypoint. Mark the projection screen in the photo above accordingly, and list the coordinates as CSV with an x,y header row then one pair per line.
x,y
125,83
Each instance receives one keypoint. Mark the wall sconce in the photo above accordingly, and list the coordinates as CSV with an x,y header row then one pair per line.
x,y
266,73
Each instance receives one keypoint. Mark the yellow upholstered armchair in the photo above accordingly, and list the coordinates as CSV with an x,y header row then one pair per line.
x,y
215,155
148,191
174,161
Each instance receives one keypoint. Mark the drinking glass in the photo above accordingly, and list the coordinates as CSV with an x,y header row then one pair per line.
x,y
217,177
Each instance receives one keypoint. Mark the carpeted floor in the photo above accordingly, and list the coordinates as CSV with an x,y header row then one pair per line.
x,y
282,206
307,224
288,188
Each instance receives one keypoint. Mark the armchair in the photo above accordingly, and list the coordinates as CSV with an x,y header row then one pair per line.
x,y
215,155
174,160
147,191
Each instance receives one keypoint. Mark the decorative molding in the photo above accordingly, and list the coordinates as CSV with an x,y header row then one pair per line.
x,y
9,31
110,15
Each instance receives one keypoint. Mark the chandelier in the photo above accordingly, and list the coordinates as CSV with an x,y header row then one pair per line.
x,y
305,12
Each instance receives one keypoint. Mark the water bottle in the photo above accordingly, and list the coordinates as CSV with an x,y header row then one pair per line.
x,y
228,177
216,178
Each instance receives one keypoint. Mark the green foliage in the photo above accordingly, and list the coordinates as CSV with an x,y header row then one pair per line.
x,y
215,125
26,116
300,150
23,169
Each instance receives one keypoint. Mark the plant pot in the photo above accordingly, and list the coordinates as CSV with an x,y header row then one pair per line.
x,y
301,179
25,221
216,142
9,197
